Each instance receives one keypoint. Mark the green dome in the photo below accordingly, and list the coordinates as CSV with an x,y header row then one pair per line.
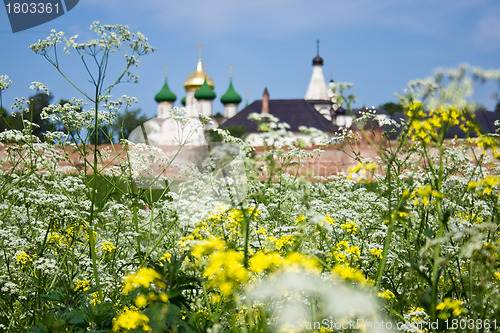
x,y
231,96
205,92
183,100
165,95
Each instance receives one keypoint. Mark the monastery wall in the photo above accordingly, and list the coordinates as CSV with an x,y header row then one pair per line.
x,y
158,159
149,161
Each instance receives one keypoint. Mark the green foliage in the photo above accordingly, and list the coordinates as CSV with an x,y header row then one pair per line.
x,y
32,113
115,247
234,131
126,122
392,107
104,135
3,119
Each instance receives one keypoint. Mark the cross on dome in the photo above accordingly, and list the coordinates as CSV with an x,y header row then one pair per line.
x,y
317,61
200,45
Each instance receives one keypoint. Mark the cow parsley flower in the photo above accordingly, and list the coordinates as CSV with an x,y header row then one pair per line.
x,y
4,82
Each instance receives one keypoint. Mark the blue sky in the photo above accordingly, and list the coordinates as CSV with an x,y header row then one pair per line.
x,y
378,45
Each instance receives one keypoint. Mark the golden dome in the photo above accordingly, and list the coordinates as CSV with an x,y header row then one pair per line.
x,y
196,79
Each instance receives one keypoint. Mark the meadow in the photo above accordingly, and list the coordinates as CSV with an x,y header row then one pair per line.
x,y
406,242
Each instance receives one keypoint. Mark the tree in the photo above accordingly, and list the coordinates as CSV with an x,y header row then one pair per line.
x,y
126,122
16,120
392,107
105,135
3,119
497,108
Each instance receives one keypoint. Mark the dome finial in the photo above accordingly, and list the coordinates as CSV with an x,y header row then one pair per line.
x,y
166,71
317,61
231,71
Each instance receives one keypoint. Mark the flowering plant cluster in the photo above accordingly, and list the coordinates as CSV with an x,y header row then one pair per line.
x,y
411,237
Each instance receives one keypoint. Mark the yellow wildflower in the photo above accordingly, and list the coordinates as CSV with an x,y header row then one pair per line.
x,y
350,274
140,301
261,261
260,231
108,247
282,241
298,260
299,219
207,246
23,258
471,217
82,285
485,142
225,271
386,294
485,185
359,171
87,235
416,309
129,320
355,251
427,127
342,245
449,307
424,193
166,258
53,238
329,220
94,298
163,297
376,252
339,257
350,227
143,277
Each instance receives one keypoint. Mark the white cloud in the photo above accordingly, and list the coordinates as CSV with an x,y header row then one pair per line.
x,y
487,33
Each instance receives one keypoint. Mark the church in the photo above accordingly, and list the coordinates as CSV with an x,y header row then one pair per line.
x,y
316,110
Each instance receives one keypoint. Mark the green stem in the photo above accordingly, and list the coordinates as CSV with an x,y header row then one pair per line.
x,y
207,301
385,251
442,222
435,275
388,237
90,228
135,220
